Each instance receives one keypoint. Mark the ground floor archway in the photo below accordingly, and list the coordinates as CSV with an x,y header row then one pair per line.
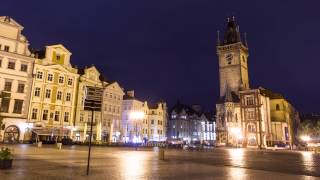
x,y
11,134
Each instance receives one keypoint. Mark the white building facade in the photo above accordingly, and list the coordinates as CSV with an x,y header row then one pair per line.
x,y
16,65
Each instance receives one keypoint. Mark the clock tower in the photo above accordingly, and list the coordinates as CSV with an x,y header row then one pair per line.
x,y
233,60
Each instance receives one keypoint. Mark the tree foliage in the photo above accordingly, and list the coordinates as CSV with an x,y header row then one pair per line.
x,y
311,128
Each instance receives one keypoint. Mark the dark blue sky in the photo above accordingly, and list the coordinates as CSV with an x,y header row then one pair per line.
x,y
166,49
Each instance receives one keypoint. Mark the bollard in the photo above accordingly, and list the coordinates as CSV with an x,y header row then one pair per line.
x,y
39,144
161,154
59,145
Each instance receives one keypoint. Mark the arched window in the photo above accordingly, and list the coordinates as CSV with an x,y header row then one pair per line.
x,y
277,107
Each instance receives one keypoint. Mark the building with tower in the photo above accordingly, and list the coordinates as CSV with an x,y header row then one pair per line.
x,y
250,117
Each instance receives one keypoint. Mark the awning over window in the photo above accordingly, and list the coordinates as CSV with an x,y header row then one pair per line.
x,y
51,131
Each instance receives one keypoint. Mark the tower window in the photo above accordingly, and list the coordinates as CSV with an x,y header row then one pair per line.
x,y
277,107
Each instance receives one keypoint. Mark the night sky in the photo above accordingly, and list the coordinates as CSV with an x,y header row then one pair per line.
x,y
166,48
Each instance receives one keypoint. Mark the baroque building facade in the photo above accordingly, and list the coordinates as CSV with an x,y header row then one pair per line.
x,y
250,117
16,65
54,94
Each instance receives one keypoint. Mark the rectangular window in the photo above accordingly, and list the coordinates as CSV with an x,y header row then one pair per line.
x,y
6,48
37,92
11,65
45,115
66,116
68,97
39,75
59,95
0,61
48,93
24,68
61,79
20,88
69,81
5,102
57,116
34,113
250,114
17,106
50,77
81,117
152,121
250,100
7,86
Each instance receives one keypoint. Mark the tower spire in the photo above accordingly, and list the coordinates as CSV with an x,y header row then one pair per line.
x,y
218,38
245,40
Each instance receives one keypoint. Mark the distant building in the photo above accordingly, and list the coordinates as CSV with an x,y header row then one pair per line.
x,y
16,65
190,124
143,123
245,116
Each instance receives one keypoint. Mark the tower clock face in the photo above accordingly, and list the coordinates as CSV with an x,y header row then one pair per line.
x,y
229,57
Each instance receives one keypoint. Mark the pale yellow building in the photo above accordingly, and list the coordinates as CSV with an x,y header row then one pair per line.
x,y
89,77
111,112
154,126
54,93
16,65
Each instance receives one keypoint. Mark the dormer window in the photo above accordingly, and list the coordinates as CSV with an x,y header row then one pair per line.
x,y
58,57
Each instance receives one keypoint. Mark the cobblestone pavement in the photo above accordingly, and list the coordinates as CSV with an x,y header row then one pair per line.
x,y
125,163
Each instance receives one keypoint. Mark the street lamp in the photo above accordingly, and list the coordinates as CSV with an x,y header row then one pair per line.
x,y
306,139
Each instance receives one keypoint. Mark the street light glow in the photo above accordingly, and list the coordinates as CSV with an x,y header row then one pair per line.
x,y
136,115
305,138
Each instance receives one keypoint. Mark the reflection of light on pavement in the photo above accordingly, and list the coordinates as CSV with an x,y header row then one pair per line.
x,y
308,161
132,165
237,159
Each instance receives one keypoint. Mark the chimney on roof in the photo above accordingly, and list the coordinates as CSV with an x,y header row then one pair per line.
x,y
130,93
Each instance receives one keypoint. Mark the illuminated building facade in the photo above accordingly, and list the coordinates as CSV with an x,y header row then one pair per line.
x,y
142,122
54,93
190,124
245,116
16,65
